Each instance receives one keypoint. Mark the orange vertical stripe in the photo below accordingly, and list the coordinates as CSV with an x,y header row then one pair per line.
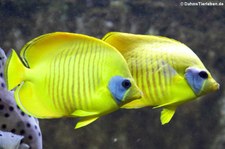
x,y
74,75
79,83
84,73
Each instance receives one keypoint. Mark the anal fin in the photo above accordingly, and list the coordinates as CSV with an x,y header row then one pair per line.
x,y
167,114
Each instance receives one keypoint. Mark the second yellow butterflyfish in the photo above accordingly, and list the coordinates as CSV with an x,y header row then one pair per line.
x,y
65,74
167,71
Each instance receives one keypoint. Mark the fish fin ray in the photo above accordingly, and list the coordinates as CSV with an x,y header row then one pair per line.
x,y
85,121
162,66
167,114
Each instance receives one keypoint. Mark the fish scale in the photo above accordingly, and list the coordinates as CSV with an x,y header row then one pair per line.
x,y
149,87
69,82
64,94
80,79
60,84
159,77
93,60
85,74
86,80
155,80
166,72
90,72
158,80
163,83
94,71
143,72
83,87
71,85
74,71
53,84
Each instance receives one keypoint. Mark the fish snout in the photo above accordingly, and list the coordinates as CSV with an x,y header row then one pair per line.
x,y
133,93
215,86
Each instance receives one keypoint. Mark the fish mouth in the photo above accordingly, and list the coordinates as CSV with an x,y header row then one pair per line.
x,y
215,86
135,93
209,88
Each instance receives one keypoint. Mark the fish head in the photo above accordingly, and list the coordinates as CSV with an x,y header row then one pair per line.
x,y
124,89
201,81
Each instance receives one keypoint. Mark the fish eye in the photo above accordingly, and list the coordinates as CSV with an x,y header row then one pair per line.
x,y
203,74
126,84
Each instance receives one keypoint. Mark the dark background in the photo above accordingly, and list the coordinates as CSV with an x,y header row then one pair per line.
x,y
196,125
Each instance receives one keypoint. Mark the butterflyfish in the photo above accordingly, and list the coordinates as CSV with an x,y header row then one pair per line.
x,y
12,119
167,71
70,75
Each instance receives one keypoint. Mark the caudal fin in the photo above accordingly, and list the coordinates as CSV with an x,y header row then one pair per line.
x,y
14,71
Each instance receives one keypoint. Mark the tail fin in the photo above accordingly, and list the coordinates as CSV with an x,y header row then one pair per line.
x,y
14,71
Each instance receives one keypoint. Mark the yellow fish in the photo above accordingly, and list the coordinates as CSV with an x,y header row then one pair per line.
x,y
65,74
167,71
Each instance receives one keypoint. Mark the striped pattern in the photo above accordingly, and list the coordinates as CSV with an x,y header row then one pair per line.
x,y
152,74
158,66
74,76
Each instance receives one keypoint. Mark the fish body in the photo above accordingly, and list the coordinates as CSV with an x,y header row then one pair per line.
x,y
167,71
13,120
68,74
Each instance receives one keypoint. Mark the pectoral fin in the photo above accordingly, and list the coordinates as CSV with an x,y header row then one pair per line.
x,y
85,121
87,117
171,103
167,114
135,104
82,113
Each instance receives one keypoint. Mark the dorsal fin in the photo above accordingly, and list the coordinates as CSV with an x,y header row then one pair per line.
x,y
127,41
48,45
